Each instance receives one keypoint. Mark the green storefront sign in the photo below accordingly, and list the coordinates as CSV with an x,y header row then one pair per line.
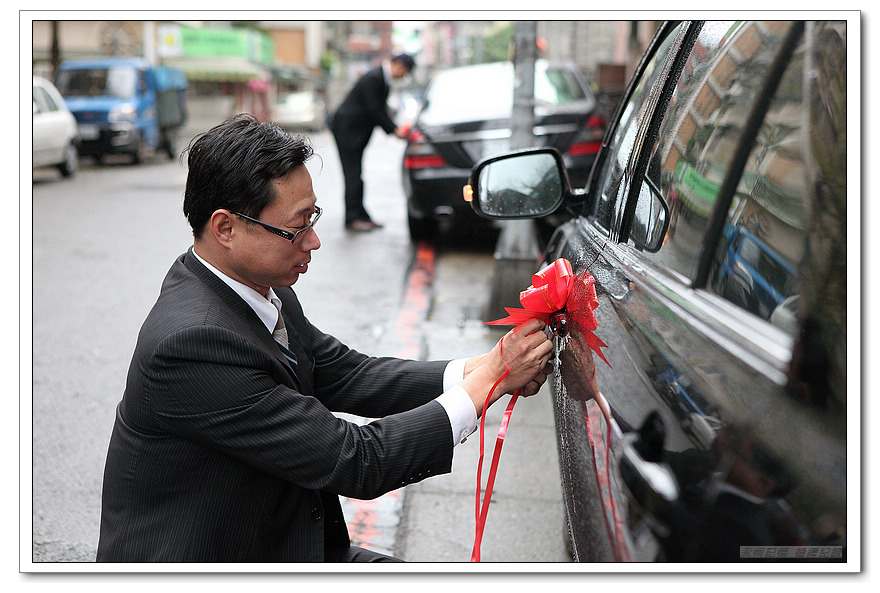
x,y
227,43
187,42
697,193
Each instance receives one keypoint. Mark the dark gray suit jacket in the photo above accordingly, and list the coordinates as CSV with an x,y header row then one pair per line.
x,y
223,451
364,108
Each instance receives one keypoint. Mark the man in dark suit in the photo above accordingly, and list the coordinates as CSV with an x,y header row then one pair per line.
x,y
225,446
363,109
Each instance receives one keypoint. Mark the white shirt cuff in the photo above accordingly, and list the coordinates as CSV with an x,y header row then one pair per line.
x,y
457,403
461,412
454,373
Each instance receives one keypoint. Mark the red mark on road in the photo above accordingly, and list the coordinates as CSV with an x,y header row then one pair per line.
x,y
373,523
416,302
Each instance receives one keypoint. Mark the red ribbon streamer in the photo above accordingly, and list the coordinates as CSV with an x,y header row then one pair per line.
x,y
482,511
553,289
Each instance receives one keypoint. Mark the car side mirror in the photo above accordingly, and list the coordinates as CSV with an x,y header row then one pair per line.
x,y
526,184
651,218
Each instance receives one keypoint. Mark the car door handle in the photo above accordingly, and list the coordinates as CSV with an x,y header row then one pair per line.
x,y
650,483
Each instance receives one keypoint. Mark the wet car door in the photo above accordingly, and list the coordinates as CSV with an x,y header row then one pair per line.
x,y
709,451
585,438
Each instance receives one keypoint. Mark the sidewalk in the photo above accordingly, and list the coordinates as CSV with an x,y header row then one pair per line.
x,y
526,520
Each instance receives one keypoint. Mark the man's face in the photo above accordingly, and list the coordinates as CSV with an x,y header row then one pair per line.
x,y
398,70
262,259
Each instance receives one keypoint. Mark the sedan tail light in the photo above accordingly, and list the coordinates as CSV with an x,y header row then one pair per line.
x,y
420,154
589,140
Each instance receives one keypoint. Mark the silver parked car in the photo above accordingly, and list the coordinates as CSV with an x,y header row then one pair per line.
x,y
55,135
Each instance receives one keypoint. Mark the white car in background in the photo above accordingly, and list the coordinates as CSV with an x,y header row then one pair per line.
x,y
300,111
55,133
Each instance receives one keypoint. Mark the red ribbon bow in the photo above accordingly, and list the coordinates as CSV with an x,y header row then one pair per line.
x,y
555,288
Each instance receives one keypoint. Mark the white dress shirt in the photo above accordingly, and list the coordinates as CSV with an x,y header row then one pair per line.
x,y
454,399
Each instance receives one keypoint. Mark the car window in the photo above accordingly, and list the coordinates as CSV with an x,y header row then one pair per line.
x,y
757,262
142,85
701,127
609,182
44,100
96,82
557,86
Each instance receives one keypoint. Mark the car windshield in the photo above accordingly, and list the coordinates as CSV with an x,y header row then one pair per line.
x,y
97,82
485,91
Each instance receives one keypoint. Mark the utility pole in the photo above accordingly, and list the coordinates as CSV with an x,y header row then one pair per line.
x,y
55,49
517,252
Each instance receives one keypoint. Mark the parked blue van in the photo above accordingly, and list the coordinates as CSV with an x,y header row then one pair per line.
x,y
124,105
753,275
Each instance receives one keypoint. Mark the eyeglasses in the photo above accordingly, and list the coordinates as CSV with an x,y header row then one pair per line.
x,y
281,232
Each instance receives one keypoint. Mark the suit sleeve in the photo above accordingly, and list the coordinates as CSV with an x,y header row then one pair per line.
x,y
225,394
351,382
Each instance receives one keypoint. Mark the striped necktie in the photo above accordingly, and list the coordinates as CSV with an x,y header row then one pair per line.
x,y
280,331
280,335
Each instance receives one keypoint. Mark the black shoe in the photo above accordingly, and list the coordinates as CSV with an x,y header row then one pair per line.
x,y
361,226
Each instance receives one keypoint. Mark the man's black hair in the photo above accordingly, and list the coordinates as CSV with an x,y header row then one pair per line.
x,y
233,164
406,60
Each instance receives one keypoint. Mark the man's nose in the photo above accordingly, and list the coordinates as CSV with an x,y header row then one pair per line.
x,y
310,240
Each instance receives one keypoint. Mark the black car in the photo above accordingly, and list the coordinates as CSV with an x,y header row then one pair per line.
x,y
466,116
719,431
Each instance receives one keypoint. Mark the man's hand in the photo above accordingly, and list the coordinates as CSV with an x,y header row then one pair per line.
x,y
525,350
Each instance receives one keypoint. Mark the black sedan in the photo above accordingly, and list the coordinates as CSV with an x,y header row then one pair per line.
x,y
466,116
714,227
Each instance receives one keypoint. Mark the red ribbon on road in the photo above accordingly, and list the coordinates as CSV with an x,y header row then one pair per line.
x,y
554,288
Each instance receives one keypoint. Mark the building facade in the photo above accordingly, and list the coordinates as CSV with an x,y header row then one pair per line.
x,y
237,66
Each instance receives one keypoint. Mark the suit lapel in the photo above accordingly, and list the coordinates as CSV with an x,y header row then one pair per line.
x,y
242,311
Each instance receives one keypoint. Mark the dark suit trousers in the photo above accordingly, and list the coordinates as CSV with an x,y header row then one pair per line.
x,y
351,156
356,554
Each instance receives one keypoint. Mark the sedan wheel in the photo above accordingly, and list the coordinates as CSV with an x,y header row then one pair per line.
x,y
71,162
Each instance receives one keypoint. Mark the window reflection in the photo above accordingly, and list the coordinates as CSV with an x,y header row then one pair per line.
x,y
824,291
702,126
755,265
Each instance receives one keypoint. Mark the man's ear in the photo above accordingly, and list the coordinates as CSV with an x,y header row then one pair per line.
x,y
221,227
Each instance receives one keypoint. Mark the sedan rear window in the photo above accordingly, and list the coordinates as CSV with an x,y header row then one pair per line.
x,y
485,91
